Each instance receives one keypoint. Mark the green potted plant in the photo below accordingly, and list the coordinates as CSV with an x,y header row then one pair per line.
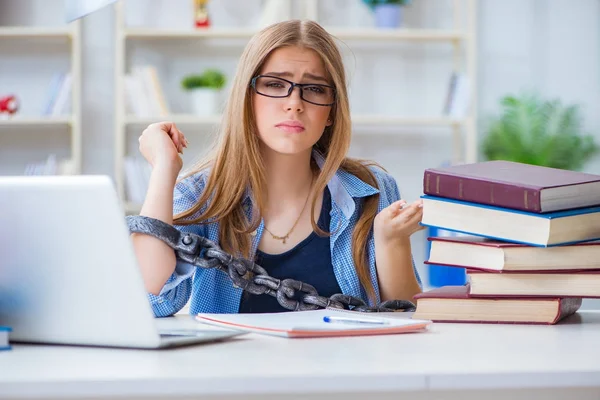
x,y
204,90
388,13
539,132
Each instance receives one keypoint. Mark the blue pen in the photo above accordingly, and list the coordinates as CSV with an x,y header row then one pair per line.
x,y
343,320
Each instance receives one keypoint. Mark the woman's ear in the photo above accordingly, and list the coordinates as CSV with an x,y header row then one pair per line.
x,y
329,121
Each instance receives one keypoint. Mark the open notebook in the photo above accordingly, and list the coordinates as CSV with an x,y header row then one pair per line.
x,y
303,324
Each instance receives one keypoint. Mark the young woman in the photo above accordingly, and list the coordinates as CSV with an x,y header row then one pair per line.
x,y
278,188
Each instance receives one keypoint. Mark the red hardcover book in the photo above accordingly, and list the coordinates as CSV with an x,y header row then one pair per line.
x,y
514,185
454,304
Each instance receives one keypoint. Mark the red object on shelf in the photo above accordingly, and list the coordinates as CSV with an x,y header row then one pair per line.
x,y
201,18
9,105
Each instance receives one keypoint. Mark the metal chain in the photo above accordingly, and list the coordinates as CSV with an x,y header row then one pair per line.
x,y
249,276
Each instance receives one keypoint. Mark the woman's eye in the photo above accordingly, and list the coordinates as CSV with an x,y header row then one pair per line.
x,y
274,84
315,89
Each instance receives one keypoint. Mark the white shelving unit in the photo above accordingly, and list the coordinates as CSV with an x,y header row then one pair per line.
x,y
462,38
71,34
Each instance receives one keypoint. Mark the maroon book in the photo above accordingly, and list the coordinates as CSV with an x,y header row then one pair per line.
x,y
514,185
455,304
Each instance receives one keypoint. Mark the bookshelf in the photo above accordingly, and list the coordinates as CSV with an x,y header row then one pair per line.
x,y
461,37
69,35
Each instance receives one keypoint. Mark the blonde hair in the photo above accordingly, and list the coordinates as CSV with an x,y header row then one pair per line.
x,y
237,149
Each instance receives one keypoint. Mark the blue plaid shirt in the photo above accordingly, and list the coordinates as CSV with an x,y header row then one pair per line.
x,y
213,292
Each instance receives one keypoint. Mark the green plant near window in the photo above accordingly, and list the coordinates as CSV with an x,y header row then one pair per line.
x,y
211,78
540,132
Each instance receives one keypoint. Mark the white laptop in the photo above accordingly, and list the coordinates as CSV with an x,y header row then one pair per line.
x,y
68,272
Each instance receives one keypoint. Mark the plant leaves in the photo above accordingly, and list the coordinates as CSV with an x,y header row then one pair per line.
x,y
534,131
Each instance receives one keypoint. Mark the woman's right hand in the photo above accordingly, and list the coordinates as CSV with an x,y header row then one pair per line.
x,y
161,143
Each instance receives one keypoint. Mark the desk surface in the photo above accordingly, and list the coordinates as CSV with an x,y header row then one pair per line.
x,y
447,357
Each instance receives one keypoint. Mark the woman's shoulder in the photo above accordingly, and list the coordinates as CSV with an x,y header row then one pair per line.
x,y
386,182
192,183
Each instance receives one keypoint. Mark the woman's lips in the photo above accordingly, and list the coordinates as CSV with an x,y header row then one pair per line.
x,y
291,126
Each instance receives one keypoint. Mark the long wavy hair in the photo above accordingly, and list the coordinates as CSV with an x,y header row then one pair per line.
x,y
236,149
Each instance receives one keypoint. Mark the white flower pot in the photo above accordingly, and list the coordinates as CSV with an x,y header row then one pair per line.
x,y
204,101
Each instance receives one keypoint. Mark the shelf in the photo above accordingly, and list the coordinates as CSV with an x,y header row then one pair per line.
x,y
397,34
340,33
36,121
35,32
177,118
391,120
217,33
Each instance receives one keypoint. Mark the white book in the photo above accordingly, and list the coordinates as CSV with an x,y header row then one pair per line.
x,y
132,182
132,103
61,105
461,98
52,94
147,88
4,337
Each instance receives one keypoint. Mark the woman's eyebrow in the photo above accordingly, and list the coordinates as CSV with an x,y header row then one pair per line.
x,y
290,75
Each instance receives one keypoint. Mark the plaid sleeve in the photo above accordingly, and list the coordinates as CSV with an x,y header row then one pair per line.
x,y
176,291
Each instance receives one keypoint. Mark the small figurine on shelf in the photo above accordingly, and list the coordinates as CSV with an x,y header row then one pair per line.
x,y
201,18
9,105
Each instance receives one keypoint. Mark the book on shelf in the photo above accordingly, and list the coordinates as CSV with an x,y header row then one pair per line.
x,y
474,252
51,166
58,95
458,96
514,185
535,229
534,284
4,338
137,178
144,95
455,304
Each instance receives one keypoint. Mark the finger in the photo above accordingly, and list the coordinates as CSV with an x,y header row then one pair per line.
x,y
396,207
407,212
415,219
177,137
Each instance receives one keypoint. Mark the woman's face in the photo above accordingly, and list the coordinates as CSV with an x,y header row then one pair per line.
x,y
290,125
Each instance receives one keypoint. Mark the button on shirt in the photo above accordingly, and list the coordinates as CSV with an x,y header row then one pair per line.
x,y
212,291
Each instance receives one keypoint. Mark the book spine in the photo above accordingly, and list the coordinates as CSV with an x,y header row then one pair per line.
x,y
483,192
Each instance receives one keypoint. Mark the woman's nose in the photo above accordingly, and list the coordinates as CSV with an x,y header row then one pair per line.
x,y
294,100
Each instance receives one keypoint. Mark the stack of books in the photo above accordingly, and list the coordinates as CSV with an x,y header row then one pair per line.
x,y
531,251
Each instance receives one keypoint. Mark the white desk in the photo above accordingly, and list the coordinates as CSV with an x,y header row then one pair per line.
x,y
457,361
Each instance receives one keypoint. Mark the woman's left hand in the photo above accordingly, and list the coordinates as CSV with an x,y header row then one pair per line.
x,y
397,222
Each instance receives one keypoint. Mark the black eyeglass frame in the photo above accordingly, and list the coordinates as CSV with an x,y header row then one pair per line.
x,y
293,85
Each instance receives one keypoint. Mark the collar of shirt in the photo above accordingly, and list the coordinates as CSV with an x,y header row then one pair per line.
x,y
343,186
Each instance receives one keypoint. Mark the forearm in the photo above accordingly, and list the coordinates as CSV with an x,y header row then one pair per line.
x,y
156,259
395,271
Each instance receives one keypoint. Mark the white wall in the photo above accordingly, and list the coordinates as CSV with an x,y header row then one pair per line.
x,y
549,45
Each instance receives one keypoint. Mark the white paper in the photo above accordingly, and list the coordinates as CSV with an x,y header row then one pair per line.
x,y
280,324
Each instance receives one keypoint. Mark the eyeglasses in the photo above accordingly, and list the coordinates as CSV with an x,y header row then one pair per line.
x,y
314,93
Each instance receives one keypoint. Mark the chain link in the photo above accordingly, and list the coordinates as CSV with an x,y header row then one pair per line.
x,y
249,276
